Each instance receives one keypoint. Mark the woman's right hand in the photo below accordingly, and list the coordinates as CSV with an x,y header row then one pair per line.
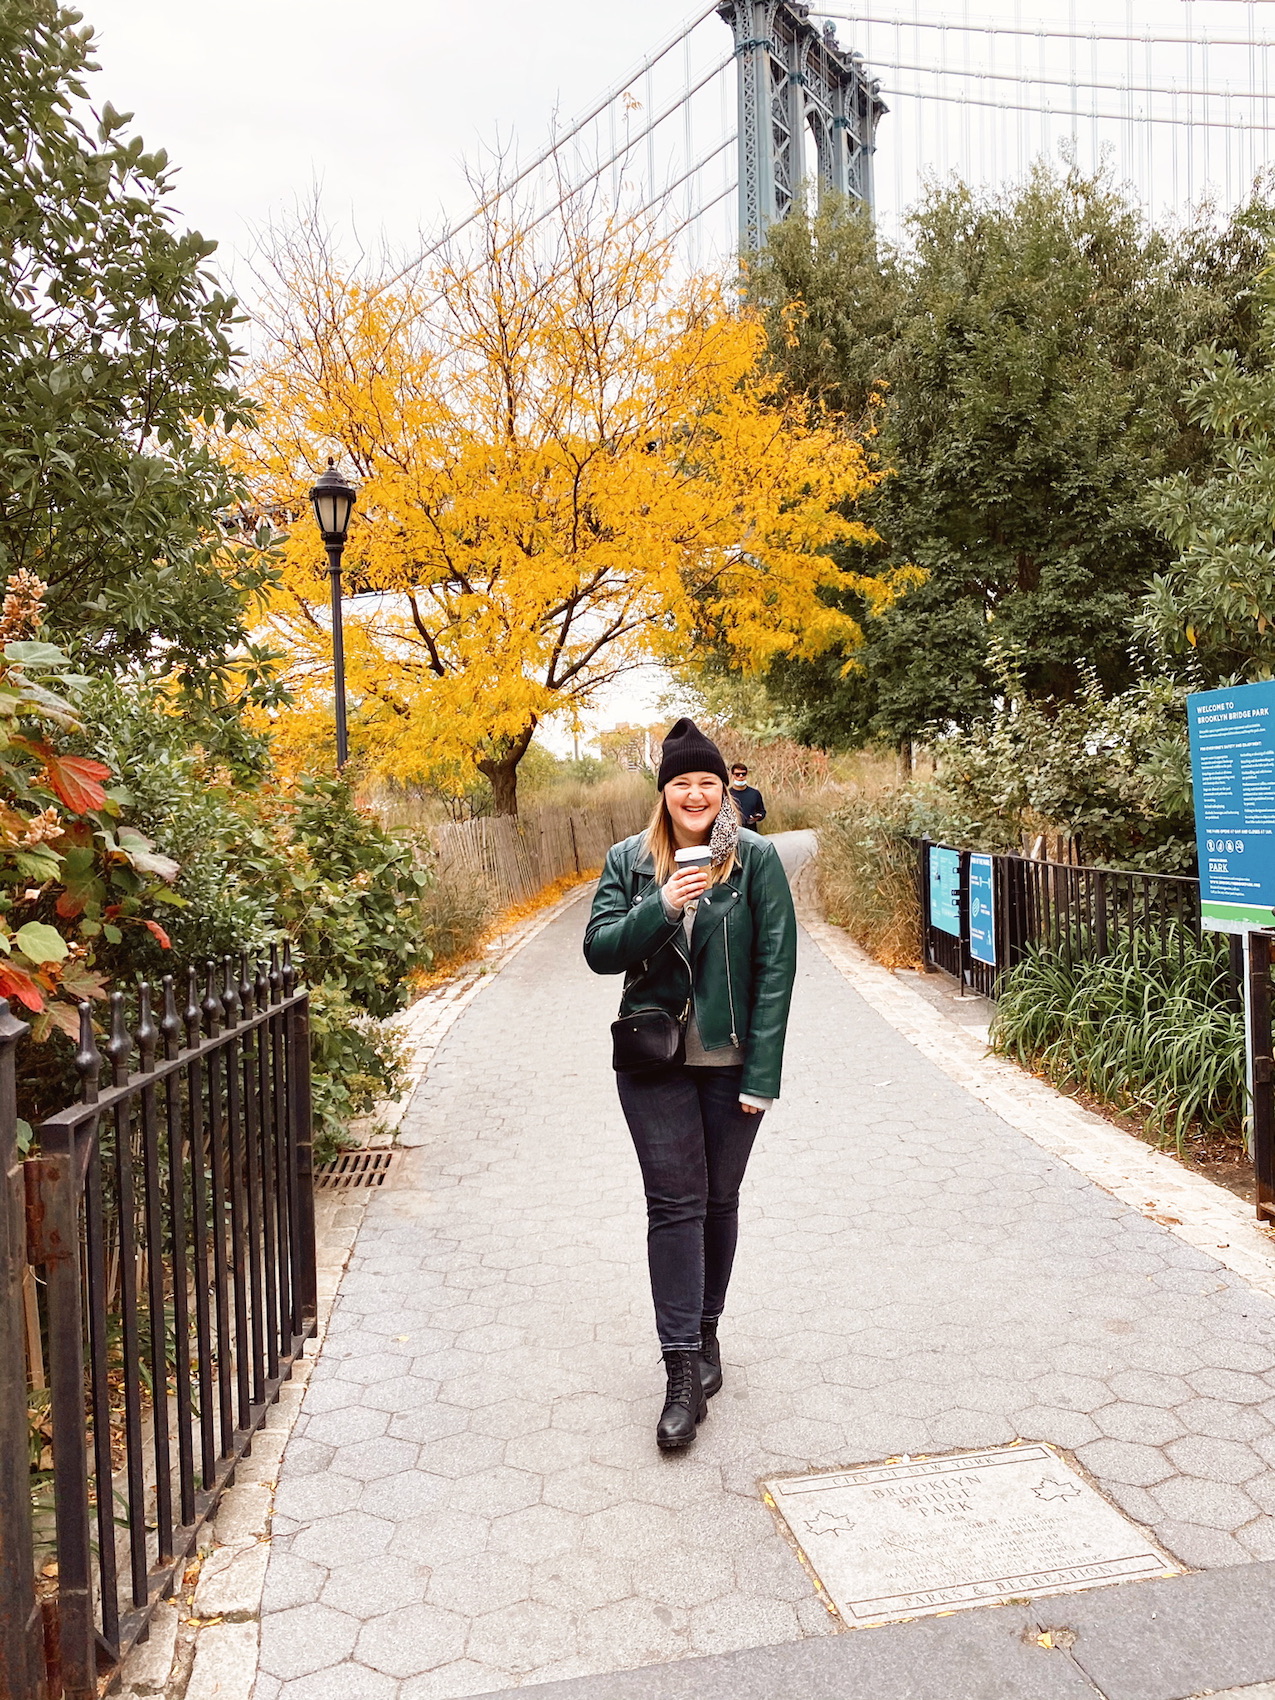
x,y
688,885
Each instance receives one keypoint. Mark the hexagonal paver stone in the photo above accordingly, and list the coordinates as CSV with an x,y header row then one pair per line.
x,y
305,1639
1224,1421
415,1638
683,1579
1125,1461
633,1529
1149,1424
1214,1505
1145,1387
354,1535
523,1637
310,1497
291,1581
374,1586
493,1493
634,1632
339,1428
483,1582
1231,1385
1215,1460
340,1682
742,1620
368,1460
451,1682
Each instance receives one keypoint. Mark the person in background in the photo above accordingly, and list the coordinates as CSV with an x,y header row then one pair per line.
x,y
746,798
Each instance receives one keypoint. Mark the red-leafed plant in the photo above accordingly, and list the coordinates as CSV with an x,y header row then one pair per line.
x,y
72,873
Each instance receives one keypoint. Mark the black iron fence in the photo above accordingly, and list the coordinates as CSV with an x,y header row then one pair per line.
x,y
157,1282
980,914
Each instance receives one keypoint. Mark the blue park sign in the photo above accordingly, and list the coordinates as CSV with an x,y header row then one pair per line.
x,y
982,912
945,890
1232,735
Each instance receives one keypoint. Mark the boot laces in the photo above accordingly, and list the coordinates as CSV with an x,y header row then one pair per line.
x,y
681,1378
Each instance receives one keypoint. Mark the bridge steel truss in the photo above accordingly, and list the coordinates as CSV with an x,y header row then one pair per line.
x,y
794,77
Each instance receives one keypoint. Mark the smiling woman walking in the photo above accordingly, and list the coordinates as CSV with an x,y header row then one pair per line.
x,y
695,912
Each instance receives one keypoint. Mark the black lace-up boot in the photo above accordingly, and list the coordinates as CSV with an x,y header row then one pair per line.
x,y
710,1358
685,1404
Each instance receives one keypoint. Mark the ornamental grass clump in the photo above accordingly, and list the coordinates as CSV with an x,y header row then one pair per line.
x,y
1149,1029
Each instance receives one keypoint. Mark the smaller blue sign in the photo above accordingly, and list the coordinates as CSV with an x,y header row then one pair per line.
x,y
982,911
945,890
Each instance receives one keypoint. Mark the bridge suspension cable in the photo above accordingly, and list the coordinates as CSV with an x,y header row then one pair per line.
x,y
980,97
1050,32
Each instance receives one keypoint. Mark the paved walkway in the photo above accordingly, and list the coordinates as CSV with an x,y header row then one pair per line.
x,y
472,1499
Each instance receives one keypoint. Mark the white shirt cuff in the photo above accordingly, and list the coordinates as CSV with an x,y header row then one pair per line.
x,y
755,1103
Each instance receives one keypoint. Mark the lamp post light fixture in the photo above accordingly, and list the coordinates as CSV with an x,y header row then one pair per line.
x,y
333,501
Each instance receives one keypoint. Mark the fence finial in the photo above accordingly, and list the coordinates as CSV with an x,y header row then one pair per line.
x,y
88,1061
147,1032
262,987
212,1003
229,995
119,1047
192,1013
276,978
289,972
170,1025
245,985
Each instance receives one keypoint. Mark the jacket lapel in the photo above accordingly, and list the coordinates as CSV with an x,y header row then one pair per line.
x,y
716,902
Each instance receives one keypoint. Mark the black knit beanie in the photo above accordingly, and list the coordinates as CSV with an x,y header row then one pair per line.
x,y
687,750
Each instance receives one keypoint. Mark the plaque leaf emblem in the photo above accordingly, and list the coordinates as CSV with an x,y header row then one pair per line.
x,y
825,1523
1050,1489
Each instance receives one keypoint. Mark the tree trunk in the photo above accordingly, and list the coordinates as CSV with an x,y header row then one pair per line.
x,y
501,768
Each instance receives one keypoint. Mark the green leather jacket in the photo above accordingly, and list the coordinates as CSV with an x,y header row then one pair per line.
x,y
742,958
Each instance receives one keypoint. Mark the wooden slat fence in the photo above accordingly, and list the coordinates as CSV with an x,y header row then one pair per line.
x,y
518,858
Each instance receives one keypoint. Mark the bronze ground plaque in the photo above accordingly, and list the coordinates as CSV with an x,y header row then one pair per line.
x,y
935,1534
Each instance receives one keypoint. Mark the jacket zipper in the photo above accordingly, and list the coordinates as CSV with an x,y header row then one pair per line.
x,y
730,993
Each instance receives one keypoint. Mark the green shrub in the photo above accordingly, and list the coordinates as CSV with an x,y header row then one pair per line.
x,y
259,865
1148,1029
347,892
356,1061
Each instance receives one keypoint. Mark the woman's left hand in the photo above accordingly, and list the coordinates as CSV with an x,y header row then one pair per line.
x,y
749,1109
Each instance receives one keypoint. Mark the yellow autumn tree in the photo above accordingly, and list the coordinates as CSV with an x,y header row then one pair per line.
x,y
568,466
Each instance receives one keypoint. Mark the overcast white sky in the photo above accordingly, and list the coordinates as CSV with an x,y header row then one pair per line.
x,y
378,101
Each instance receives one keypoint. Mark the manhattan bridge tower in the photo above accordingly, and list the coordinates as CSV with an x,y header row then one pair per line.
x,y
807,110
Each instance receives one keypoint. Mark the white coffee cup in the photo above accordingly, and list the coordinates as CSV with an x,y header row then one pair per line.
x,y
694,856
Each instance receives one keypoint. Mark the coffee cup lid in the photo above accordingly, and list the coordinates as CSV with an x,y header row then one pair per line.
x,y
694,853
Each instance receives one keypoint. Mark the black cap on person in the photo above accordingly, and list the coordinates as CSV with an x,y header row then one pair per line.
x,y
687,750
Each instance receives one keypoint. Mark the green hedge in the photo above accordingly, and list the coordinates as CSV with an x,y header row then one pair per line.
x,y
1149,1029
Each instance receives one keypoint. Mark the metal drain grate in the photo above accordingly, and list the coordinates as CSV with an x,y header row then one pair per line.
x,y
356,1168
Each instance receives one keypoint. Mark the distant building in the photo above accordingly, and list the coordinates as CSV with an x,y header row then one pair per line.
x,y
633,747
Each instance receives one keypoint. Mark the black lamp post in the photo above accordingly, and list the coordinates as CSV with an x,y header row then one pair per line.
x,y
333,501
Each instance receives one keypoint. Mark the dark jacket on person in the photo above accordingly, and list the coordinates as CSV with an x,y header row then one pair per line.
x,y
739,966
749,803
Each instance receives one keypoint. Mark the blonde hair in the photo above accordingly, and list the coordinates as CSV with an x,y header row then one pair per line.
x,y
659,840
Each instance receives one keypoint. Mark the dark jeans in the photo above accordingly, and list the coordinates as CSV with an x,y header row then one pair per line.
x,y
693,1143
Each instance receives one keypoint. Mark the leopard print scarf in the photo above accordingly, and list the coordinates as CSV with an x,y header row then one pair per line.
x,y
724,838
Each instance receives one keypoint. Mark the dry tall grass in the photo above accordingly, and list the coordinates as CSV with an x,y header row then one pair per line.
x,y
868,881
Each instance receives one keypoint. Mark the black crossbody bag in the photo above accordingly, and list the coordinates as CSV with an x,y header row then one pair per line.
x,y
645,1040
